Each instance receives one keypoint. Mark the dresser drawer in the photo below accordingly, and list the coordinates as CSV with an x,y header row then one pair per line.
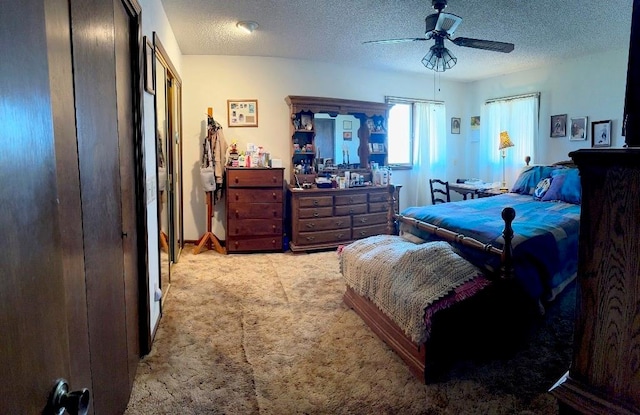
x,y
350,209
365,231
382,196
350,199
304,202
271,243
315,212
255,211
255,178
378,207
369,219
254,195
254,227
322,224
312,238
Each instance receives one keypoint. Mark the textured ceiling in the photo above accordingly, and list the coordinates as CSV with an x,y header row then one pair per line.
x,y
543,31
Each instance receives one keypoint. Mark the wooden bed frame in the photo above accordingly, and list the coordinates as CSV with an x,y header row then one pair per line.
x,y
422,363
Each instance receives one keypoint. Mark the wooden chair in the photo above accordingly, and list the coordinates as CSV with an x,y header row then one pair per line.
x,y
439,192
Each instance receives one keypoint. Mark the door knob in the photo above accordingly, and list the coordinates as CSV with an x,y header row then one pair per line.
x,y
74,402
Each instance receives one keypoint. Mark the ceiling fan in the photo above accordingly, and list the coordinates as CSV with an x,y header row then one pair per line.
x,y
441,26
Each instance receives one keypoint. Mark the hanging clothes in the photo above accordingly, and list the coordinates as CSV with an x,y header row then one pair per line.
x,y
217,155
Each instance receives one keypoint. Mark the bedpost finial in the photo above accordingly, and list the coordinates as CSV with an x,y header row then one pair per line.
x,y
508,214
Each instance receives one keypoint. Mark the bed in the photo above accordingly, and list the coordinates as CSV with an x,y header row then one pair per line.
x,y
450,263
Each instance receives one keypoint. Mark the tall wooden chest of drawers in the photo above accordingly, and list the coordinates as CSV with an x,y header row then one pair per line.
x,y
255,207
326,218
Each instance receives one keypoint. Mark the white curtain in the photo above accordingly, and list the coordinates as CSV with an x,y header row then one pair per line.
x,y
518,117
429,150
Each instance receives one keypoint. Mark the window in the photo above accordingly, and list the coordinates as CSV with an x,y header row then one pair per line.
x,y
518,116
400,134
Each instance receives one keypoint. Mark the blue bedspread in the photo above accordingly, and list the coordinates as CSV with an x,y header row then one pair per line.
x,y
545,245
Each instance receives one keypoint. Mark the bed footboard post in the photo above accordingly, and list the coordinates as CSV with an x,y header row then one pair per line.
x,y
392,224
508,215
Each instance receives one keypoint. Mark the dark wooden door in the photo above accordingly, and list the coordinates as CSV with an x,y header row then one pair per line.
x,y
126,141
36,240
325,137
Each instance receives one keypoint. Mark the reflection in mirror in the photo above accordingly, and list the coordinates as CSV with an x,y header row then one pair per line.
x,y
169,156
163,165
337,138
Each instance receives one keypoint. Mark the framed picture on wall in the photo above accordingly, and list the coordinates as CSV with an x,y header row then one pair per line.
x,y
601,133
475,122
346,125
242,112
578,129
346,135
455,125
148,67
559,125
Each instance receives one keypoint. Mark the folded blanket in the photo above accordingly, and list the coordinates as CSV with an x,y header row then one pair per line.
x,y
403,278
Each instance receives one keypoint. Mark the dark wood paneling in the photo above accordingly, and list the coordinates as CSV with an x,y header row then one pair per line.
x,y
96,113
33,344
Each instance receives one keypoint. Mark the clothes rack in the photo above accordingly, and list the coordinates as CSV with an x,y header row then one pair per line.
x,y
209,238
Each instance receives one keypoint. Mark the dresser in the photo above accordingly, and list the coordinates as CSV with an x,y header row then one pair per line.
x,y
326,218
255,207
604,377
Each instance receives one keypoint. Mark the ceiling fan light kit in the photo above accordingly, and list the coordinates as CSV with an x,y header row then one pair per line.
x,y
440,26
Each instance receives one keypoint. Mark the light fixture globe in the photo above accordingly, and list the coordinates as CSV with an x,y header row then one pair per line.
x,y
439,58
247,25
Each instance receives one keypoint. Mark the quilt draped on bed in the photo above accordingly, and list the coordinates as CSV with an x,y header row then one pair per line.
x,y
403,278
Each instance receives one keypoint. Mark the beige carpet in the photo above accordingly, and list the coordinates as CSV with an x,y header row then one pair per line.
x,y
269,334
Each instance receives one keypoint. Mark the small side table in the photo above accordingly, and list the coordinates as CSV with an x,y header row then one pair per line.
x,y
489,192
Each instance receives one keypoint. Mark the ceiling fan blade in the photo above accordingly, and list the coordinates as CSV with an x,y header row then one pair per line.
x,y
406,39
483,44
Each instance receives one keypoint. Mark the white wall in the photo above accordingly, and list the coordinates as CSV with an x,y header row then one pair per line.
x,y
154,19
592,86
210,80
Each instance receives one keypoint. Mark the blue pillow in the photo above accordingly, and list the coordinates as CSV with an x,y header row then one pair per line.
x,y
565,186
530,177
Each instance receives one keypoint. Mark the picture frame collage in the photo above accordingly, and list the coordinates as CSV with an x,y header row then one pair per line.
x,y
578,129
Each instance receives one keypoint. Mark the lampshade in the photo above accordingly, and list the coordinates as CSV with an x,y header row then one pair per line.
x,y
505,141
439,58
247,25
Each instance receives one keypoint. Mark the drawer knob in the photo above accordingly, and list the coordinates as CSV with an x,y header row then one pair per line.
x,y
273,242
236,243
237,180
362,233
351,210
273,227
363,220
315,203
340,235
275,180
310,225
274,195
237,213
237,197
310,238
339,223
316,214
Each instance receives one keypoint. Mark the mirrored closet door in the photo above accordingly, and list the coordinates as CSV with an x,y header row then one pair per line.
x,y
168,104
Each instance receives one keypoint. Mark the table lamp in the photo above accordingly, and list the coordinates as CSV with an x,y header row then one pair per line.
x,y
505,142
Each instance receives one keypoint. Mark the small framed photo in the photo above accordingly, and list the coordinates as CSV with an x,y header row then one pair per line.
x,y
378,147
559,125
475,122
346,135
601,133
148,67
455,125
346,125
242,112
578,129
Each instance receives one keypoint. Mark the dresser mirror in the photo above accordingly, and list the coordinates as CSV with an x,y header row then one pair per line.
x,y
168,110
345,135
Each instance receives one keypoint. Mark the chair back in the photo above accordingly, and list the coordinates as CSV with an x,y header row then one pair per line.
x,y
439,191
